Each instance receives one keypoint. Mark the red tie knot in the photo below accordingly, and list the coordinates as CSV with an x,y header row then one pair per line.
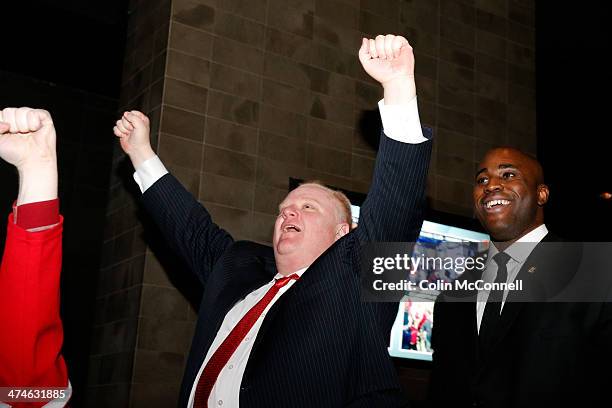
x,y
280,282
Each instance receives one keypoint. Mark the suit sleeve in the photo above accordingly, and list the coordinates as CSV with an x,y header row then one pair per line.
x,y
32,336
393,210
186,225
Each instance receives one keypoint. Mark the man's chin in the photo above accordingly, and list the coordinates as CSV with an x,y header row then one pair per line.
x,y
494,224
286,247
500,232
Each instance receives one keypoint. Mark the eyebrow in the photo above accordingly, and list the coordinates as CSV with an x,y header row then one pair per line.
x,y
500,167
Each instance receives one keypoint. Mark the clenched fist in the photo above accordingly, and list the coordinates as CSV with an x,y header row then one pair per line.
x,y
27,138
27,141
389,60
133,133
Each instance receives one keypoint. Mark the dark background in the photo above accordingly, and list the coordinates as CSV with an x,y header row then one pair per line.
x,y
573,102
79,45
68,42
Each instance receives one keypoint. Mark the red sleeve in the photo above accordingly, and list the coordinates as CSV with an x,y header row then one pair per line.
x,y
36,215
30,326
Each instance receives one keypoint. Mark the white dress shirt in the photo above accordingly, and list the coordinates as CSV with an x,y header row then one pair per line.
x,y
518,255
401,123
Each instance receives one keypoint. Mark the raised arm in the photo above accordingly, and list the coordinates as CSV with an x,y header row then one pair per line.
x,y
393,210
30,323
184,222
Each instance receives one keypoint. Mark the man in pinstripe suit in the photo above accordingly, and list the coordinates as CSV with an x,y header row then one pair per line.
x,y
314,343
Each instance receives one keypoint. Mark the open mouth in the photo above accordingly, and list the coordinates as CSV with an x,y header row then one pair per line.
x,y
494,204
291,228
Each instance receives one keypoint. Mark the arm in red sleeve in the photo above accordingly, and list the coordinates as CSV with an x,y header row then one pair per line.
x,y
30,326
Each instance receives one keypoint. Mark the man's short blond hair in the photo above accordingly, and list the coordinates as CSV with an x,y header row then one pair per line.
x,y
344,205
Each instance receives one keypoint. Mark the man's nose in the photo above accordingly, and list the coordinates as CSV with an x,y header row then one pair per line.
x,y
289,212
493,185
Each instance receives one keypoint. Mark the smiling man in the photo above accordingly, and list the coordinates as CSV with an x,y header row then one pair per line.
x,y
506,349
509,195
286,326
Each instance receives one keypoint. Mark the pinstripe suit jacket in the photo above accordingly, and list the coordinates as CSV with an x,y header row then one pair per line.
x,y
319,345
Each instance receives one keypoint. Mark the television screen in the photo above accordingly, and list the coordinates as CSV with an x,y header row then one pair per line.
x,y
411,332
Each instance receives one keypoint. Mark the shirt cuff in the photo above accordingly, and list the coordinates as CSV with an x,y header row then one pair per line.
x,y
149,172
37,215
402,122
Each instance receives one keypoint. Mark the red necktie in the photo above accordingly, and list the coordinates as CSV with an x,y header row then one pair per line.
x,y
220,358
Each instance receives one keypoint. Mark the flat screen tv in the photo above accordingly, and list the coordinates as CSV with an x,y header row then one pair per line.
x,y
411,333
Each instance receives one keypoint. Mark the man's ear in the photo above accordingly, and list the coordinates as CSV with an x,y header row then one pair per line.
x,y
543,193
342,230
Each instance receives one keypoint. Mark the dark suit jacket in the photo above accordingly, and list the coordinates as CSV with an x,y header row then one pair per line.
x,y
319,345
545,353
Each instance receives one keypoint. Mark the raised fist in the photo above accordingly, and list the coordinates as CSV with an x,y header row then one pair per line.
x,y
387,58
133,133
27,137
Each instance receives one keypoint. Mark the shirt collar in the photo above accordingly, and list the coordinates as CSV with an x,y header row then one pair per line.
x,y
527,243
299,273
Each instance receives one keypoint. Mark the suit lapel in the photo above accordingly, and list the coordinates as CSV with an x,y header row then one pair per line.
x,y
511,310
245,278
315,280
470,317
532,289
